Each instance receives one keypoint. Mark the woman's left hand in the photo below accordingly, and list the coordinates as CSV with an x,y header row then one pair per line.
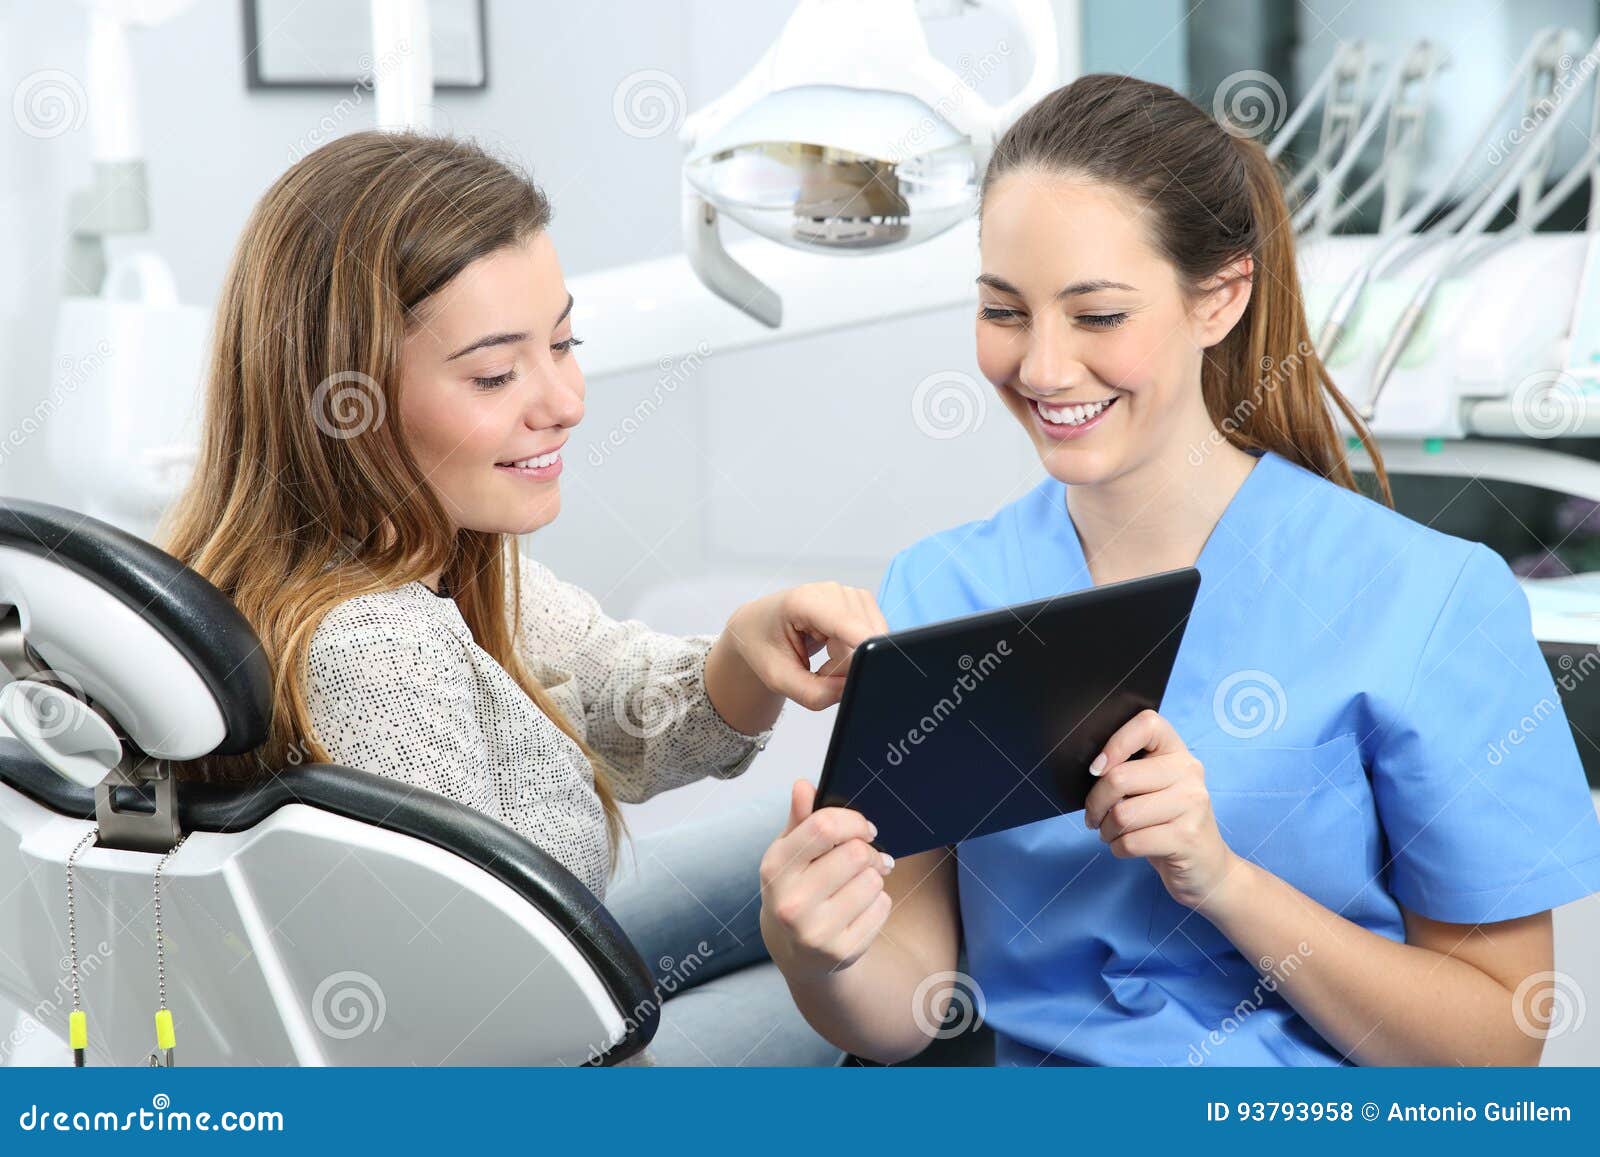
x,y
1156,807
774,638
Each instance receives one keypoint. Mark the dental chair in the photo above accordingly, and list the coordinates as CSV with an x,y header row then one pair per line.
x,y
324,916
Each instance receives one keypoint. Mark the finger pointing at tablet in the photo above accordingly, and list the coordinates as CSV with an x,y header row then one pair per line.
x,y
765,653
822,897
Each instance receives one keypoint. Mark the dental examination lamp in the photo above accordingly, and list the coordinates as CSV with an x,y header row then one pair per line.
x,y
847,137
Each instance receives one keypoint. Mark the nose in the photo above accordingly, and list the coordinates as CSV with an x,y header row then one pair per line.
x,y
555,398
1050,361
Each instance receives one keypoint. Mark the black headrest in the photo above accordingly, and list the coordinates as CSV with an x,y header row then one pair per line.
x,y
197,619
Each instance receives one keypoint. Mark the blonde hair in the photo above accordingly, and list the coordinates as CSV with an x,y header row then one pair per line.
x,y
305,494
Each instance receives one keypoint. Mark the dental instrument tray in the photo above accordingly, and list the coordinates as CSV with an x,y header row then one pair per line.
x,y
989,721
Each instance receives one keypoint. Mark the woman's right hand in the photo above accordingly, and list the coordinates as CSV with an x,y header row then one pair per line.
x,y
822,895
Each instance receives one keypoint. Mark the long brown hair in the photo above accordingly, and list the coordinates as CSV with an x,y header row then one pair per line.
x,y
1213,197
305,494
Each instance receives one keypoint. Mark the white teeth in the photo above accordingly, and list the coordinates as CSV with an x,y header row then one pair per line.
x,y
536,463
1071,415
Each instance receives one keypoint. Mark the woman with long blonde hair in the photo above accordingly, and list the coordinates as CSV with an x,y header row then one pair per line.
x,y
392,381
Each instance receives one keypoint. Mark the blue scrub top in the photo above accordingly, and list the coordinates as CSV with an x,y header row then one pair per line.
x,y
1378,728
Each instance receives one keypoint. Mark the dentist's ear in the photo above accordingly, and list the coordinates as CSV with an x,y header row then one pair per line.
x,y
802,797
1226,295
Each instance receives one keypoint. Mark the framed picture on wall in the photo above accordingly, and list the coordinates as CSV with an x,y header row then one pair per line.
x,y
328,45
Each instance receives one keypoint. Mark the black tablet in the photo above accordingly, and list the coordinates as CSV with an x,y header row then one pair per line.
x,y
987,722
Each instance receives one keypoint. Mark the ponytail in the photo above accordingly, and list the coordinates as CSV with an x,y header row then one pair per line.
x,y
1264,385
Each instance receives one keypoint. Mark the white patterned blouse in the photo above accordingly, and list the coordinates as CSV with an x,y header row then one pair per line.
x,y
397,686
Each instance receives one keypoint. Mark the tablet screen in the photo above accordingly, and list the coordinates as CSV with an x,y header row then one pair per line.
x,y
987,722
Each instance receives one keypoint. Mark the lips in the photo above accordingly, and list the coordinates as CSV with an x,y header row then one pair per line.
x,y
1066,423
1074,414
530,460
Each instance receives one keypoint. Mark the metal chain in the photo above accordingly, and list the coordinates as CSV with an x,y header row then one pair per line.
x,y
72,920
161,946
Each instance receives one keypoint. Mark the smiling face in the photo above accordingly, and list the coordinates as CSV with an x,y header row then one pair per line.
x,y
490,388
1085,331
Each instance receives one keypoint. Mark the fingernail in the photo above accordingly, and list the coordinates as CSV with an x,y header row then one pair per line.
x,y
1099,764
873,828
888,862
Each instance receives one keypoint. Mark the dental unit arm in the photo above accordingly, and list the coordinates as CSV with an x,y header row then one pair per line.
x,y
1470,244
1404,98
1341,88
1538,65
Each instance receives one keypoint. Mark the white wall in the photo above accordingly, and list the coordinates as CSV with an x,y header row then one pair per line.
x,y
213,147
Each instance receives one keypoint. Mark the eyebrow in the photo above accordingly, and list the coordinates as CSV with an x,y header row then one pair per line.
x,y
494,339
1093,285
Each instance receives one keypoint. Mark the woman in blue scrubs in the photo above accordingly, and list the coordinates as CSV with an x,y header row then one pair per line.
x,y
1360,799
